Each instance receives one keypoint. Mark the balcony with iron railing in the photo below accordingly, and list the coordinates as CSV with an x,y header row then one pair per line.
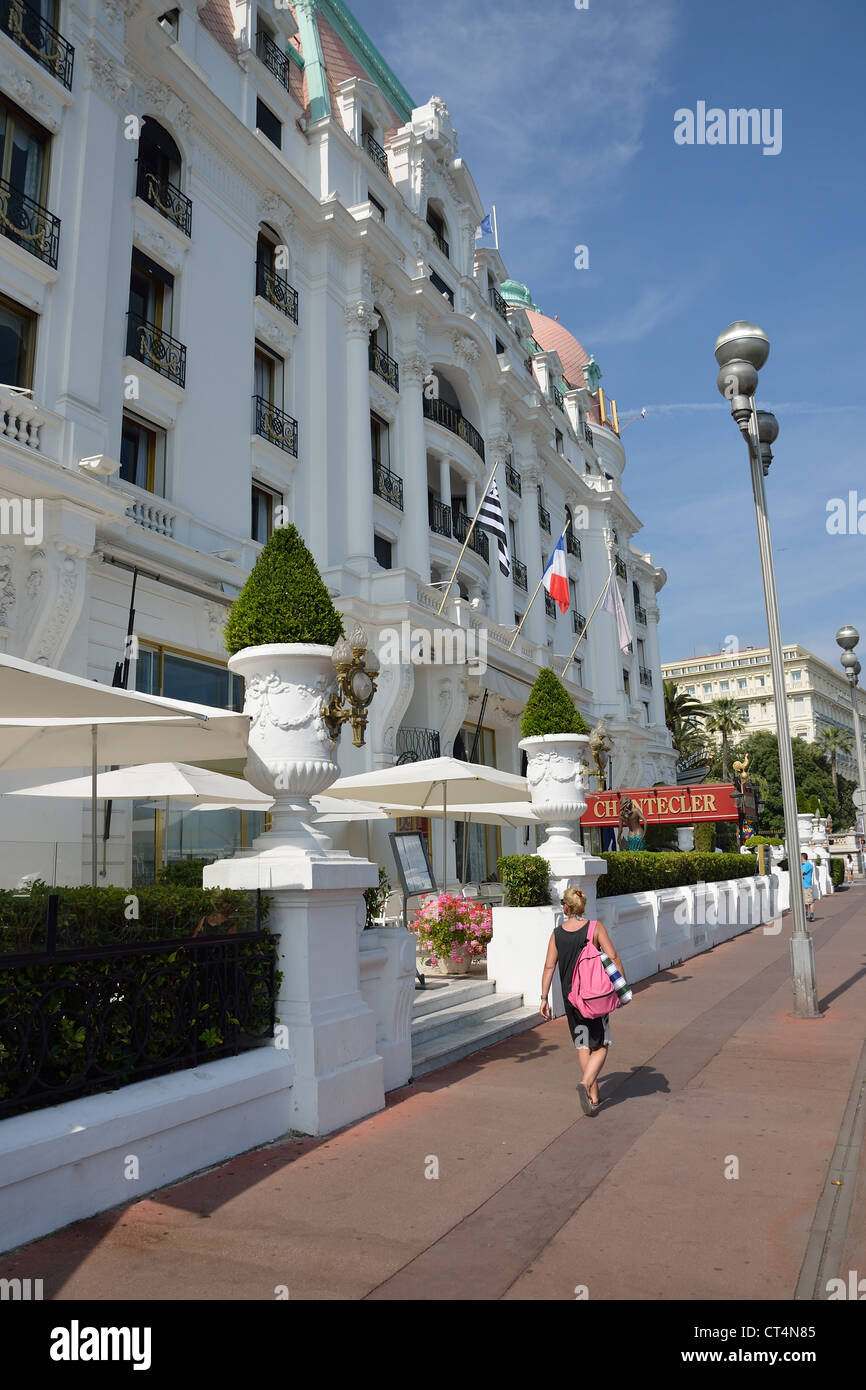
x,y
276,290
275,425
572,544
518,574
156,349
376,153
38,39
479,541
441,243
549,606
28,224
512,478
646,675
588,434
417,745
578,621
544,518
273,58
498,303
387,485
164,196
384,366
441,413
640,613
440,517
557,397
620,568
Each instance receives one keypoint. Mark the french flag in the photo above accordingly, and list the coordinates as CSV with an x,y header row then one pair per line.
x,y
555,577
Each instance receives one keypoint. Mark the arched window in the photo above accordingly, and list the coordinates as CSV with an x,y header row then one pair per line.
x,y
272,263
437,224
159,174
158,150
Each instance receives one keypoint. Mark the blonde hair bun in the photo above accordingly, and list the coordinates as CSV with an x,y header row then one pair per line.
x,y
575,900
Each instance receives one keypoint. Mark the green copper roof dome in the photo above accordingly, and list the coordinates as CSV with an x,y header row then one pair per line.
x,y
514,293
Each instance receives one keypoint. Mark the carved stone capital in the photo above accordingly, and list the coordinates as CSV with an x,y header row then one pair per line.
x,y
360,319
465,347
414,369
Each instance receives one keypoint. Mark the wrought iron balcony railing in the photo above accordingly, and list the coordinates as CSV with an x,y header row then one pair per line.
x,y
156,349
527,362
444,414
39,39
544,518
276,290
417,745
621,571
273,57
387,485
549,606
384,366
578,621
376,153
512,478
646,675
440,517
588,434
28,224
557,397
479,541
518,574
498,303
441,243
275,425
572,545
166,197
640,613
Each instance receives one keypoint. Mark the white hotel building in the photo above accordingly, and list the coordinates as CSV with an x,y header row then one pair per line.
x,y
818,696
238,270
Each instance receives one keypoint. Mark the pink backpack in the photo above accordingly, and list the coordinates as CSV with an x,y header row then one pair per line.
x,y
593,992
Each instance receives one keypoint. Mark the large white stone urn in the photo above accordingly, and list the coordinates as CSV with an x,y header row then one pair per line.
x,y
291,754
555,766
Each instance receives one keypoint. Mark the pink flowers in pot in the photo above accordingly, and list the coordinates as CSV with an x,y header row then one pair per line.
x,y
456,928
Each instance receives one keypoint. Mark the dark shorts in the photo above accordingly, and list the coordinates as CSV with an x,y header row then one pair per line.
x,y
587,1032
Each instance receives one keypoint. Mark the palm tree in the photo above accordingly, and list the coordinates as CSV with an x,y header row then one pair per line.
x,y
683,716
724,717
833,740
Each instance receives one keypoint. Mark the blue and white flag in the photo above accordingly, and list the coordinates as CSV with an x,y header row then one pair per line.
x,y
486,228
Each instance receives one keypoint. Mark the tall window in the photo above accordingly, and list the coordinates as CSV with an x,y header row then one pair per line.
x,y
263,503
23,154
383,552
482,847
17,344
269,124
268,376
560,446
380,443
158,151
151,291
625,682
142,455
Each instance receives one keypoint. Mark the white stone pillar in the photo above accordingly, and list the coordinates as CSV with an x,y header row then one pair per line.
x,y
360,321
445,481
415,534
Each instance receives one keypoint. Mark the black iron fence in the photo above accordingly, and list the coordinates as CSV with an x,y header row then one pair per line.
x,y
478,539
273,57
76,1021
276,290
416,745
518,573
28,224
387,485
275,425
156,349
512,478
165,196
376,153
39,39
444,414
440,517
384,366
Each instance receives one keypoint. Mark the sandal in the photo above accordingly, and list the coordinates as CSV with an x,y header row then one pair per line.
x,y
583,1097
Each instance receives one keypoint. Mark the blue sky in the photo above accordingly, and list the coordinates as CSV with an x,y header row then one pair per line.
x,y
566,120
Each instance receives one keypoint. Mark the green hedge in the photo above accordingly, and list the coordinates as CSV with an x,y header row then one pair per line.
x,y
837,871
526,880
283,599
102,916
638,872
550,709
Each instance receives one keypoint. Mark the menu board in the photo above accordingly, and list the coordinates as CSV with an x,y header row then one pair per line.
x,y
413,865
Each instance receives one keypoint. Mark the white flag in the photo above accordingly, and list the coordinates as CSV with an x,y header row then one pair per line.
x,y
614,604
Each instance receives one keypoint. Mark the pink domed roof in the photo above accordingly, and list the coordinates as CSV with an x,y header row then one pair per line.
x,y
554,337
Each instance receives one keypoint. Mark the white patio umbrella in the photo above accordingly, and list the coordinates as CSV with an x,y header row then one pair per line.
x,y
332,810
51,719
411,786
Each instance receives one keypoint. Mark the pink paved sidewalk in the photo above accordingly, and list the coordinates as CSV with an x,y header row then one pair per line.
x,y
708,1075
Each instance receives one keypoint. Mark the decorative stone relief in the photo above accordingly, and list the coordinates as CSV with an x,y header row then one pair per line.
x,y
360,319
382,401
30,96
158,245
465,347
106,76
33,582
414,369
61,597
7,588
216,618
393,695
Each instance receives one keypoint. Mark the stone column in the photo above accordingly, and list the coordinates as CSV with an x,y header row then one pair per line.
x,y
503,593
657,703
415,536
360,322
534,541
445,481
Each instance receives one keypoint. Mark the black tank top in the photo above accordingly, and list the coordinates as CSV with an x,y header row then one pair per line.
x,y
569,945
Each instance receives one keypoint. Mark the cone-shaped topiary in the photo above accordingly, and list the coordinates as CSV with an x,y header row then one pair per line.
x,y
283,600
550,709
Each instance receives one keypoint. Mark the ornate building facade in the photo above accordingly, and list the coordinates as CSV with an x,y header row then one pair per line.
x,y
240,283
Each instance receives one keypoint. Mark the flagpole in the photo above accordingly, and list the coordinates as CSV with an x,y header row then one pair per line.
x,y
495,228
535,595
587,623
468,536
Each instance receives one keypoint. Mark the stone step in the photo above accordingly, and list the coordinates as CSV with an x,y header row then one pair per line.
x,y
462,1042
472,1011
445,994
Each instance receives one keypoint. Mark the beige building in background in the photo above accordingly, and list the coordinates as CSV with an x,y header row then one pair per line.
x,y
818,695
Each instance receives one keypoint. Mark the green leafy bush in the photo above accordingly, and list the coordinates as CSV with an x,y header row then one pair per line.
x,y
283,599
705,837
765,840
550,709
375,898
638,872
526,880
837,871
183,871
103,916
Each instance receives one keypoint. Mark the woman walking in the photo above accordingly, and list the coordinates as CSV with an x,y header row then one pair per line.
x,y
591,1036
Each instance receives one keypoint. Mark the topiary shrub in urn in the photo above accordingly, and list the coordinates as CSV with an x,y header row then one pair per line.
x,y
556,741
280,634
